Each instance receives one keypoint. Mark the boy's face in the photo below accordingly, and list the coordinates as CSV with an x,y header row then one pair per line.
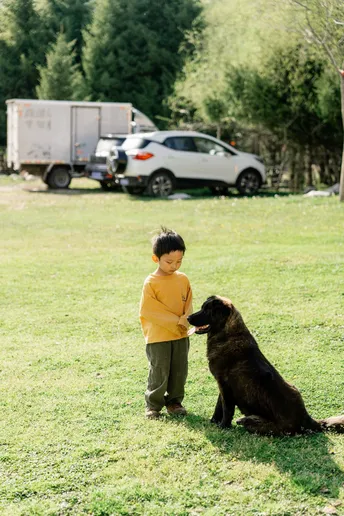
x,y
169,263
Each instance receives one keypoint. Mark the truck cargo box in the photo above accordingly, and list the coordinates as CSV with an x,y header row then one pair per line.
x,y
45,134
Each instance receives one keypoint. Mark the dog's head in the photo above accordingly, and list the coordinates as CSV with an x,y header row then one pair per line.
x,y
213,315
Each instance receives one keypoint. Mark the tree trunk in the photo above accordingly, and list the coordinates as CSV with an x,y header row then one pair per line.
x,y
327,180
308,166
341,188
300,170
292,181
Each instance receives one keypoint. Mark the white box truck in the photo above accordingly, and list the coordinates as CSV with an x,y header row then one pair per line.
x,y
54,138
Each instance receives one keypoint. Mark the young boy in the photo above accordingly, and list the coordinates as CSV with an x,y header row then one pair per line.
x,y
165,304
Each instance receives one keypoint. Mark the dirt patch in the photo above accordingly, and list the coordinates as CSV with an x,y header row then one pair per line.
x,y
14,183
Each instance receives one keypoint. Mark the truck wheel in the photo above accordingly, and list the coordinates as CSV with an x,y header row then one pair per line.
x,y
59,178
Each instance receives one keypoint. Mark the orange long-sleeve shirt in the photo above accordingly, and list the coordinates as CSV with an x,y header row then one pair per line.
x,y
166,302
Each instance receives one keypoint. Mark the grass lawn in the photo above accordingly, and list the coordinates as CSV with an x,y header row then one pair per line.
x,y
73,437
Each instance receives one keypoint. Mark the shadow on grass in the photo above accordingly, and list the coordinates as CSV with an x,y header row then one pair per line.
x,y
204,193
308,460
195,194
72,191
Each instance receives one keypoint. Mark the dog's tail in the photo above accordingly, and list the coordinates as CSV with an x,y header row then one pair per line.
x,y
332,424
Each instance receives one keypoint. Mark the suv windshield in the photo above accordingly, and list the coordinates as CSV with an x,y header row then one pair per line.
x,y
105,144
134,143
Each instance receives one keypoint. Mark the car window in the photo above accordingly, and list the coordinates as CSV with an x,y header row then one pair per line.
x,y
181,143
105,144
134,143
209,147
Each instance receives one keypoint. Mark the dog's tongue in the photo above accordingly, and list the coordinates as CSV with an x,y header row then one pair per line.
x,y
191,331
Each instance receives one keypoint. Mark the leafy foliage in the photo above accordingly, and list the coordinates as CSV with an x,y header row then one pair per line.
x,y
283,96
245,70
132,50
61,78
22,47
321,23
69,17
254,68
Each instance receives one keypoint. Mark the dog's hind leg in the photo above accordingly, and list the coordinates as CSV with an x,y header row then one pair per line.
x,y
218,412
259,425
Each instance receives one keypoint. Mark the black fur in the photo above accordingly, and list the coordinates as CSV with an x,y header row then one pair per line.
x,y
246,379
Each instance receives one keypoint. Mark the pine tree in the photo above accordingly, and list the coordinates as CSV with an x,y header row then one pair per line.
x,y
69,16
132,50
21,31
61,79
22,47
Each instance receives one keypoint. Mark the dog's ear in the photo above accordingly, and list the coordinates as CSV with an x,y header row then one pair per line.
x,y
208,302
218,312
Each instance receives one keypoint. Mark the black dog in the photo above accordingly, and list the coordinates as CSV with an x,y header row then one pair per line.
x,y
246,379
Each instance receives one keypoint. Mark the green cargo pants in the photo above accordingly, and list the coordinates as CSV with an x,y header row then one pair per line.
x,y
168,370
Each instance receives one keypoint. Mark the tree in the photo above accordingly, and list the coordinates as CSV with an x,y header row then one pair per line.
x,y
322,23
235,35
291,98
132,50
70,17
247,70
61,79
22,47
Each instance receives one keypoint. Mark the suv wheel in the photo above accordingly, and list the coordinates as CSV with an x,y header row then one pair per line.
x,y
59,178
248,182
160,185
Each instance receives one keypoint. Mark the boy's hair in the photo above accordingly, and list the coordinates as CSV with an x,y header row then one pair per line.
x,y
167,241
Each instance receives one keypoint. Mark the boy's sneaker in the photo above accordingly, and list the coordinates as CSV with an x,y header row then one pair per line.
x,y
152,414
176,409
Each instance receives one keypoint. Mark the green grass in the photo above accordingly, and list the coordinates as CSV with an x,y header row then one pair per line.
x,y
73,437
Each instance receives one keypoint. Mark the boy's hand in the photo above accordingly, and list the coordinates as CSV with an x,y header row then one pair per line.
x,y
183,323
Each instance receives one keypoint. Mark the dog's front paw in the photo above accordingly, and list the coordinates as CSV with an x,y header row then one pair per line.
x,y
225,424
215,421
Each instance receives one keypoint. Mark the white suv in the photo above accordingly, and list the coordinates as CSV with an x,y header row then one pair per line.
x,y
163,161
